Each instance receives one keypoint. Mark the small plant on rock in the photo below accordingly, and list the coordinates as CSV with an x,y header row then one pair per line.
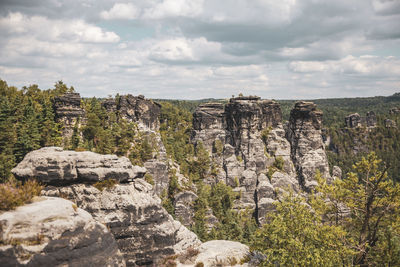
x,y
14,194
109,183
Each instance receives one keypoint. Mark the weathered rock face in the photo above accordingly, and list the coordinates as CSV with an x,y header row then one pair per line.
x,y
370,119
307,147
209,123
245,139
183,205
218,253
144,231
53,232
69,112
146,114
53,165
355,120
136,109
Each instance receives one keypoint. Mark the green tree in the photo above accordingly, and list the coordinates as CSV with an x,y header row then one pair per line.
x,y
296,236
366,204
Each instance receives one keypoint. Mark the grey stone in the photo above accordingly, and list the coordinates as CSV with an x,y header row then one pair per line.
x,y
144,231
54,232
53,165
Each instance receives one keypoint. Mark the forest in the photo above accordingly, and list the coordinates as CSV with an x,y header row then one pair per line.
x,y
353,221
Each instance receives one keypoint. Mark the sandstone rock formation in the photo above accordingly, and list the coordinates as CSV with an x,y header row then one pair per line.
x,y
68,111
137,109
355,120
219,253
146,114
54,232
53,165
307,147
255,155
143,229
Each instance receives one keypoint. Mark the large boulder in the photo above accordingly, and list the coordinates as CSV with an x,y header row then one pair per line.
x,y
144,231
53,165
54,232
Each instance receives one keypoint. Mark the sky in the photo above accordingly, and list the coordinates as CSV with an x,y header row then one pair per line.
x,y
181,49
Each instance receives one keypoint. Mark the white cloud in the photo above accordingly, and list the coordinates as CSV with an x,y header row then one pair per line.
x,y
56,30
182,49
175,8
366,65
121,11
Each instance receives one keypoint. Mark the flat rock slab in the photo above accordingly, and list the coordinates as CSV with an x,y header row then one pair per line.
x,y
54,232
53,165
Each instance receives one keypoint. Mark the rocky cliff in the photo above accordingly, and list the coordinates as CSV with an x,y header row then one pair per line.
x,y
137,109
143,230
255,155
307,146
69,113
145,113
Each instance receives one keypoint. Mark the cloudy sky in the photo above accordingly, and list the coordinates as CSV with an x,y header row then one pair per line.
x,y
192,49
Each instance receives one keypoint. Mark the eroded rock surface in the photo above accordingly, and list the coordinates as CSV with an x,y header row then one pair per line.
x,y
54,232
146,114
254,154
53,165
307,147
144,231
219,253
68,111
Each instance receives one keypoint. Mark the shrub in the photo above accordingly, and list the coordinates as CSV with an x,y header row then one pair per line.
x,y
199,264
149,178
109,183
279,163
218,147
16,194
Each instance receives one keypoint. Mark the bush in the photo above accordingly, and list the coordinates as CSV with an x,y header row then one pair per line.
x,y
279,163
109,183
149,178
16,194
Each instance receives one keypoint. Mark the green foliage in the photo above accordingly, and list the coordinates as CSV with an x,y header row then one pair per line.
x,y
108,183
295,236
366,204
149,178
279,163
26,123
218,147
264,134
14,194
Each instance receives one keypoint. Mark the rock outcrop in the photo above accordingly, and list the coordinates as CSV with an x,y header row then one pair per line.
x,y
54,232
144,231
69,113
254,154
145,113
307,147
355,120
53,165
137,109
218,253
